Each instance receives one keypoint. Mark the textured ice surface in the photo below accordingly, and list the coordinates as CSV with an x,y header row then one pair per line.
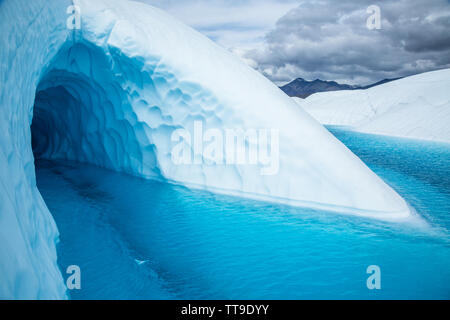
x,y
414,107
112,93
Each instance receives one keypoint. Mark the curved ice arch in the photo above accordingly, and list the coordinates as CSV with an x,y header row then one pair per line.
x,y
157,75
113,92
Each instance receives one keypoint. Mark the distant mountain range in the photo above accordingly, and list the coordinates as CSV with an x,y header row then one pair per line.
x,y
303,88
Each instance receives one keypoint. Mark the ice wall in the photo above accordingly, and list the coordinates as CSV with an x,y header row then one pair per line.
x,y
31,32
113,92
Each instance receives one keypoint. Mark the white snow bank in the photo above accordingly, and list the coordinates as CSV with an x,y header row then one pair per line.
x,y
112,93
415,107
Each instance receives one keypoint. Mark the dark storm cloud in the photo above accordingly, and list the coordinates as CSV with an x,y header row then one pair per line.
x,y
329,39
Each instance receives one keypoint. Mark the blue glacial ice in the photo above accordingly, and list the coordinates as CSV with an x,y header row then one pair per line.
x,y
112,93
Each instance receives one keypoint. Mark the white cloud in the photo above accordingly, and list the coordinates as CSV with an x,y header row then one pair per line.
x,y
326,39
231,23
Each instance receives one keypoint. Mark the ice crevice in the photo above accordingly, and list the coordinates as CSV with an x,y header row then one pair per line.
x,y
112,94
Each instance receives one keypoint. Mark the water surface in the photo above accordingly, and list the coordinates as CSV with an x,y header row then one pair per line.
x,y
139,239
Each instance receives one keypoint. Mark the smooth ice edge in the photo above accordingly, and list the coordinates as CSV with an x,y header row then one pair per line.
x,y
128,46
416,107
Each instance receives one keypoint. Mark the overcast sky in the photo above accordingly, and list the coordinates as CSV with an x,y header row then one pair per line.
x,y
326,39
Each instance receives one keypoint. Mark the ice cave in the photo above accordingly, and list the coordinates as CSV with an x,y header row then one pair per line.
x,y
111,93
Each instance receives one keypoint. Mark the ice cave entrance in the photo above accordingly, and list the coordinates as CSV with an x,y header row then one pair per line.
x,y
82,113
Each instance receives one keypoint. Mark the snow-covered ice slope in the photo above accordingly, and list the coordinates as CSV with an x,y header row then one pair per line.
x,y
113,92
415,107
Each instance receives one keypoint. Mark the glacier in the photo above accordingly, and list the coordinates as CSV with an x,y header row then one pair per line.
x,y
416,107
111,94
